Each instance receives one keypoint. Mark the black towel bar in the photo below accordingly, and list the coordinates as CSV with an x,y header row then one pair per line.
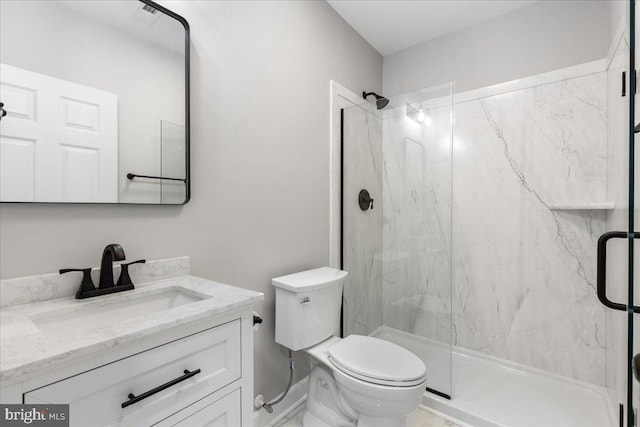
x,y
133,175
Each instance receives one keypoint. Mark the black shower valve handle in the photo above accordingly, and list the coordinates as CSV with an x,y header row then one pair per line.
x,y
364,200
124,278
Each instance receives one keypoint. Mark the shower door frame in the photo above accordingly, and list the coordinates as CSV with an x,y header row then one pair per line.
x,y
630,235
631,227
340,97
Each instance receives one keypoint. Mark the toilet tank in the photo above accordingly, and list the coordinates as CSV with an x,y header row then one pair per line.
x,y
308,306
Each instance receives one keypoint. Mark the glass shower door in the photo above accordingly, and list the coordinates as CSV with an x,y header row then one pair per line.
x,y
398,251
618,258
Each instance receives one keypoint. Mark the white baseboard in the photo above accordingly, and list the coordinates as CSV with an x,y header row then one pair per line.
x,y
297,394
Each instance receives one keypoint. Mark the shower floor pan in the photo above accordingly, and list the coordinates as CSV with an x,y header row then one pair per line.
x,y
492,392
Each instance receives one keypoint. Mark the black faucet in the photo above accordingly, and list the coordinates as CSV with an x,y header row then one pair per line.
x,y
112,252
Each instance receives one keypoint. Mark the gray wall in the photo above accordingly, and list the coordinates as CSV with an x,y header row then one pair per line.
x,y
618,10
541,37
260,159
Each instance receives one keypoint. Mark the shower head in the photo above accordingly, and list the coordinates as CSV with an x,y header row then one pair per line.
x,y
381,101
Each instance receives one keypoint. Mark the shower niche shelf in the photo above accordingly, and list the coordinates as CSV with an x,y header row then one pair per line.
x,y
581,206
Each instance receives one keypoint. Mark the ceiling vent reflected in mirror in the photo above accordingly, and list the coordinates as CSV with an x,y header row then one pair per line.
x,y
146,14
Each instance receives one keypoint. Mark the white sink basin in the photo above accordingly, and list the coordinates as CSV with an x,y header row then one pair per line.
x,y
111,311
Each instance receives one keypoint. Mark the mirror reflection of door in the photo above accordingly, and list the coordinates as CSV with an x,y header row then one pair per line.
x,y
67,59
59,140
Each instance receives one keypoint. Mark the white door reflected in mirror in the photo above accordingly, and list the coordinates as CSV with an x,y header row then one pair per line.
x,y
59,140
96,94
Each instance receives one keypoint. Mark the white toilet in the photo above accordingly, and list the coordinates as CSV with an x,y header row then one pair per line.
x,y
358,380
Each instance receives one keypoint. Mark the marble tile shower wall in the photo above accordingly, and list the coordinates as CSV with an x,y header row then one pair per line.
x,y
362,240
523,272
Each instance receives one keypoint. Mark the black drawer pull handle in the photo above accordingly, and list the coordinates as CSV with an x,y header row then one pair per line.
x,y
135,399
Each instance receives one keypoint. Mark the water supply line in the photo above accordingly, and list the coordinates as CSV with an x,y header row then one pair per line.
x,y
268,406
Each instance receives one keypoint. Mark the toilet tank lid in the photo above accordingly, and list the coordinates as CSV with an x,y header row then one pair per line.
x,y
310,279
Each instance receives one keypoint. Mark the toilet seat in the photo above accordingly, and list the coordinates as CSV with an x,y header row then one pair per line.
x,y
377,361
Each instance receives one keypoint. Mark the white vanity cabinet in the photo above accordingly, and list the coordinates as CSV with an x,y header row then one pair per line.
x,y
173,376
193,367
214,411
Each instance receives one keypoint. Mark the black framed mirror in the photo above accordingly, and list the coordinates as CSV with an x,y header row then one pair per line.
x,y
96,95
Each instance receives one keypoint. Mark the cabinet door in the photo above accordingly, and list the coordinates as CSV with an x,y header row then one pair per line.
x,y
224,412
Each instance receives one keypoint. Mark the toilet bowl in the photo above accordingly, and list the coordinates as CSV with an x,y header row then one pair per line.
x,y
377,382
358,380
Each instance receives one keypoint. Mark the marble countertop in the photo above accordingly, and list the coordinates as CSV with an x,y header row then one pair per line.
x,y
25,349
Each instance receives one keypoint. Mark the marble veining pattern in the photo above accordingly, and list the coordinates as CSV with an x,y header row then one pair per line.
x,y
524,274
517,273
24,290
26,349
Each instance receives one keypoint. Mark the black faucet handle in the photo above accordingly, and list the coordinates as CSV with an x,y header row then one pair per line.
x,y
124,278
87,284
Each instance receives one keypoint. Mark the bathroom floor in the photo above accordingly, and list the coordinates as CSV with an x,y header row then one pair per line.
x,y
421,417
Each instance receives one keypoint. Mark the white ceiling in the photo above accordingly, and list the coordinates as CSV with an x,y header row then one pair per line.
x,y
394,25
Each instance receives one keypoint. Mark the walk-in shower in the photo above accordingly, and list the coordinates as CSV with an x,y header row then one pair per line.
x,y
399,253
480,255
